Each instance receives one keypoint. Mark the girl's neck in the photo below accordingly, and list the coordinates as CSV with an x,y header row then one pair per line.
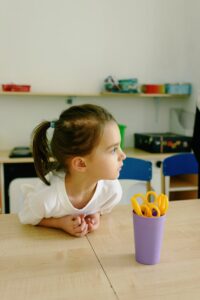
x,y
79,190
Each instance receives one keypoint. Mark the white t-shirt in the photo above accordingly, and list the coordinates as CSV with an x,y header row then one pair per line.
x,y
43,201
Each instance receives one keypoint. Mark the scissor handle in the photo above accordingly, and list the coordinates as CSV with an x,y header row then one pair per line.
x,y
155,211
163,203
136,206
139,195
148,198
146,211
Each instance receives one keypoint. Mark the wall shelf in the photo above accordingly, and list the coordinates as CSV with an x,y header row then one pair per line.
x,y
142,95
42,94
102,94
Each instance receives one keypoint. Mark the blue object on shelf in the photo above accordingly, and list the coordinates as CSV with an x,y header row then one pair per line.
x,y
178,88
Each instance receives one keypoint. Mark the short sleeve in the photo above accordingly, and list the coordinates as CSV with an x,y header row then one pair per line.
x,y
34,203
113,194
32,211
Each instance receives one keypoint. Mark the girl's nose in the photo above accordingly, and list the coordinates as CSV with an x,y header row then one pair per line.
x,y
122,155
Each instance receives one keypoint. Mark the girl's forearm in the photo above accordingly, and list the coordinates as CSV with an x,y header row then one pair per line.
x,y
51,222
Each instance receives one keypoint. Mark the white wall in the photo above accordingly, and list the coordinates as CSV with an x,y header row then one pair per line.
x,y
193,50
71,46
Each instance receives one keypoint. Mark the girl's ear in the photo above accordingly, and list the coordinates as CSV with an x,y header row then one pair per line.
x,y
78,164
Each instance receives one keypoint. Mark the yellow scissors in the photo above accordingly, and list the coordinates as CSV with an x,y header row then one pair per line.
x,y
152,205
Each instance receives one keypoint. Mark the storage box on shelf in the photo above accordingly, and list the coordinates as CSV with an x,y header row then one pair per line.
x,y
167,142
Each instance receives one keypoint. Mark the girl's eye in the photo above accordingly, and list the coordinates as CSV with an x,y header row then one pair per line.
x,y
114,149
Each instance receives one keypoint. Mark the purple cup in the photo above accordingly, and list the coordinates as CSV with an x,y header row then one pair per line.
x,y
148,236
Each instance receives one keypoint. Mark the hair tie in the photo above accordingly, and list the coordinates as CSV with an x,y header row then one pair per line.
x,y
52,124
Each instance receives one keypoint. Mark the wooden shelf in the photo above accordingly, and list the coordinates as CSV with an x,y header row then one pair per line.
x,y
40,94
142,95
186,195
183,182
102,94
183,186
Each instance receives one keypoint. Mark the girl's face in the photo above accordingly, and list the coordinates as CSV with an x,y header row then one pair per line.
x,y
106,160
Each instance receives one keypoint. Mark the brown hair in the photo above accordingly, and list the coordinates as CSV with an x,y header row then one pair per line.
x,y
76,132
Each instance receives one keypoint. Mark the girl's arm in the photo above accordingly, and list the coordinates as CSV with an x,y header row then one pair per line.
x,y
74,225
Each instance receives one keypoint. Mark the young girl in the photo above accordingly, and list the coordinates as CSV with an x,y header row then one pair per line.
x,y
80,183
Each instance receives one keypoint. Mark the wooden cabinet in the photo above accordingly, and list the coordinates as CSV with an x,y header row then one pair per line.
x,y
183,187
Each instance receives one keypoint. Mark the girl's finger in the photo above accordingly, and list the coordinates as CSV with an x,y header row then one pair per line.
x,y
83,232
76,221
81,227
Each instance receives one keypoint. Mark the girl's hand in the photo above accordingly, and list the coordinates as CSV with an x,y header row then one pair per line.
x,y
93,221
75,225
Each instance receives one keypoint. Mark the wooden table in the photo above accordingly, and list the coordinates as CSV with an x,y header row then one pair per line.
x,y
40,263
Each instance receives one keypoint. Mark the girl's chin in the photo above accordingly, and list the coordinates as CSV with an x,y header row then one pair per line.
x,y
117,176
112,177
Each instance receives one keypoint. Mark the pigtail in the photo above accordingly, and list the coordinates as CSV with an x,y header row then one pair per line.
x,y
41,151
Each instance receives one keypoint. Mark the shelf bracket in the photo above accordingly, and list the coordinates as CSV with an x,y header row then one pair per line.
x,y
157,108
69,100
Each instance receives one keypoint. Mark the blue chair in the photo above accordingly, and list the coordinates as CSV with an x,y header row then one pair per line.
x,y
135,177
181,166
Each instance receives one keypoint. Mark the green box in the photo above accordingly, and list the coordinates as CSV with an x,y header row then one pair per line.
x,y
122,129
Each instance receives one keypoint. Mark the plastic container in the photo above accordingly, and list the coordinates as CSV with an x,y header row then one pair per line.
x,y
148,238
153,88
15,88
128,85
163,142
179,88
122,129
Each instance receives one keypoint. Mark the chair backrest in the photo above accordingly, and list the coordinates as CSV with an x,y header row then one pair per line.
x,y
16,192
136,169
182,164
135,177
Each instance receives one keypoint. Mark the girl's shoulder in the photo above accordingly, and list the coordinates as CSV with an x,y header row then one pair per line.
x,y
55,176
114,182
110,185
